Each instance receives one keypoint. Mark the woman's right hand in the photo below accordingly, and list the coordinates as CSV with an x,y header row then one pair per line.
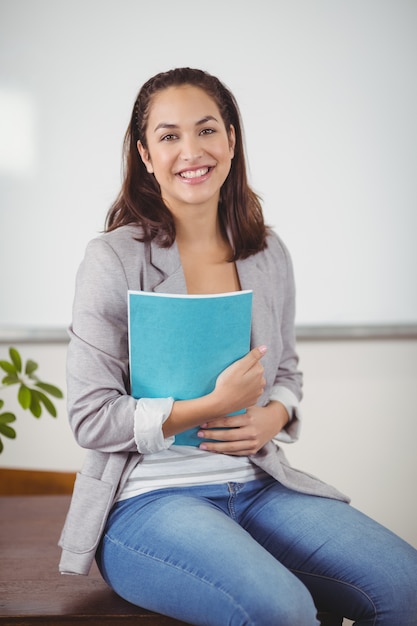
x,y
238,387
241,384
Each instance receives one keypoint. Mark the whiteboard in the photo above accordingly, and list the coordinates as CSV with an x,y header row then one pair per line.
x,y
328,95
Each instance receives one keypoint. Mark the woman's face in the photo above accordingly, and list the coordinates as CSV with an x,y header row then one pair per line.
x,y
189,150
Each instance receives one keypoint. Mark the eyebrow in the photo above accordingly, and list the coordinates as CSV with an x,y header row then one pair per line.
x,y
168,126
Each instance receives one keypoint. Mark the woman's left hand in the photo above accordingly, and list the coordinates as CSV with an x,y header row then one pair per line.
x,y
246,433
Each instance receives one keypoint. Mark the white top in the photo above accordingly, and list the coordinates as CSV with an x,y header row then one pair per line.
x,y
186,466
164,464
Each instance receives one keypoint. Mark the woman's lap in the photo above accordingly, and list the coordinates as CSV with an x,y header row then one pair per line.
x,y
236,555
352,565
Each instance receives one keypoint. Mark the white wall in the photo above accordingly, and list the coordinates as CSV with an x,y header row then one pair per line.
x,y
328,95
360,428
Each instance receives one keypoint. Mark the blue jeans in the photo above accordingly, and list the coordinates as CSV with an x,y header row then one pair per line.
x,y
256,554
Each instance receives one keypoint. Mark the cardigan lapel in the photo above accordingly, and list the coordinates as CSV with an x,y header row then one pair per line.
x,y
168,263
251,276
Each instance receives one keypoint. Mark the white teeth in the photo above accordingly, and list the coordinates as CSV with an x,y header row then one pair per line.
x,y
194,173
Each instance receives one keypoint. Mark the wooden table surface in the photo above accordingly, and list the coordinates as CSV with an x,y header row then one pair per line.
x,y
32,591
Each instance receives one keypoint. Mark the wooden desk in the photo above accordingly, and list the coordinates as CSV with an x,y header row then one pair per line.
x,y
32,591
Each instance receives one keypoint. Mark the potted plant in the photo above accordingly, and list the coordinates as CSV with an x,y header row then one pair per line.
x,y
33,394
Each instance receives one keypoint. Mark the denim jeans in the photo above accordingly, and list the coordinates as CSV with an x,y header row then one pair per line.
x,y
256,554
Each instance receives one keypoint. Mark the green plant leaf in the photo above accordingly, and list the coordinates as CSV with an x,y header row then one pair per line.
x,y
7,431
31,366
16,359
11,379
6,418
24,396
9,368
35,406
49,406
51,389
32,394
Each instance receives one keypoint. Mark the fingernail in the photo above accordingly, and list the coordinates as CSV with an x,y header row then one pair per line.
x,y
203,446
262,349
200,433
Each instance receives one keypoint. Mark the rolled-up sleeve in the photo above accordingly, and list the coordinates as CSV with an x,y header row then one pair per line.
x,y
291,432
150,415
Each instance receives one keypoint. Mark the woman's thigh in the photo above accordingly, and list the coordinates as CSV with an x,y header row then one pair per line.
x,y
352,565
182,555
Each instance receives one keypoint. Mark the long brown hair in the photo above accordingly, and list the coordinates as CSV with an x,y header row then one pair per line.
x,y
140,201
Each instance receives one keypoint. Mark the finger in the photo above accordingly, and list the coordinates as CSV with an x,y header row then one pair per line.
x,y
255,355
251,359
236,448
229,421
225,434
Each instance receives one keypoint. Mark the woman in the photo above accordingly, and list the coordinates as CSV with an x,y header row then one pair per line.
x,y
225,532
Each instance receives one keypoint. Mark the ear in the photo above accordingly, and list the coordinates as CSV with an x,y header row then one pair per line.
x,y
232,140
144,155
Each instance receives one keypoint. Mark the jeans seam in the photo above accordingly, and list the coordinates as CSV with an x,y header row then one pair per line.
x,y
341,582
234,490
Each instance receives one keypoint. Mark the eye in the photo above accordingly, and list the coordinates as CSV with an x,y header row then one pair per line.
x,y
169,137
207,131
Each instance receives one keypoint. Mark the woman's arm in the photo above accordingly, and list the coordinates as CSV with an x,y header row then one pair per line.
x,y
246,433
287,387
238,386
100,408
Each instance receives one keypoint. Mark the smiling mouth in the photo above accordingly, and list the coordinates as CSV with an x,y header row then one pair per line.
x,y
195,173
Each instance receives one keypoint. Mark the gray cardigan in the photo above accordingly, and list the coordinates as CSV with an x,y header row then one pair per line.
x,y
101,411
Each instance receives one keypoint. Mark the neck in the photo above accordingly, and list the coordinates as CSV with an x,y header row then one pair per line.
x,y
199,230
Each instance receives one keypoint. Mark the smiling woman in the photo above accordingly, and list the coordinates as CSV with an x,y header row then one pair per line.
x,y
198,516
209,117
191,157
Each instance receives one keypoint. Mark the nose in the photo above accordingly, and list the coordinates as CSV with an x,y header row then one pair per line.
x,y
191,149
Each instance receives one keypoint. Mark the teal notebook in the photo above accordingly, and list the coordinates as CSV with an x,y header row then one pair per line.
x,y
178,345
